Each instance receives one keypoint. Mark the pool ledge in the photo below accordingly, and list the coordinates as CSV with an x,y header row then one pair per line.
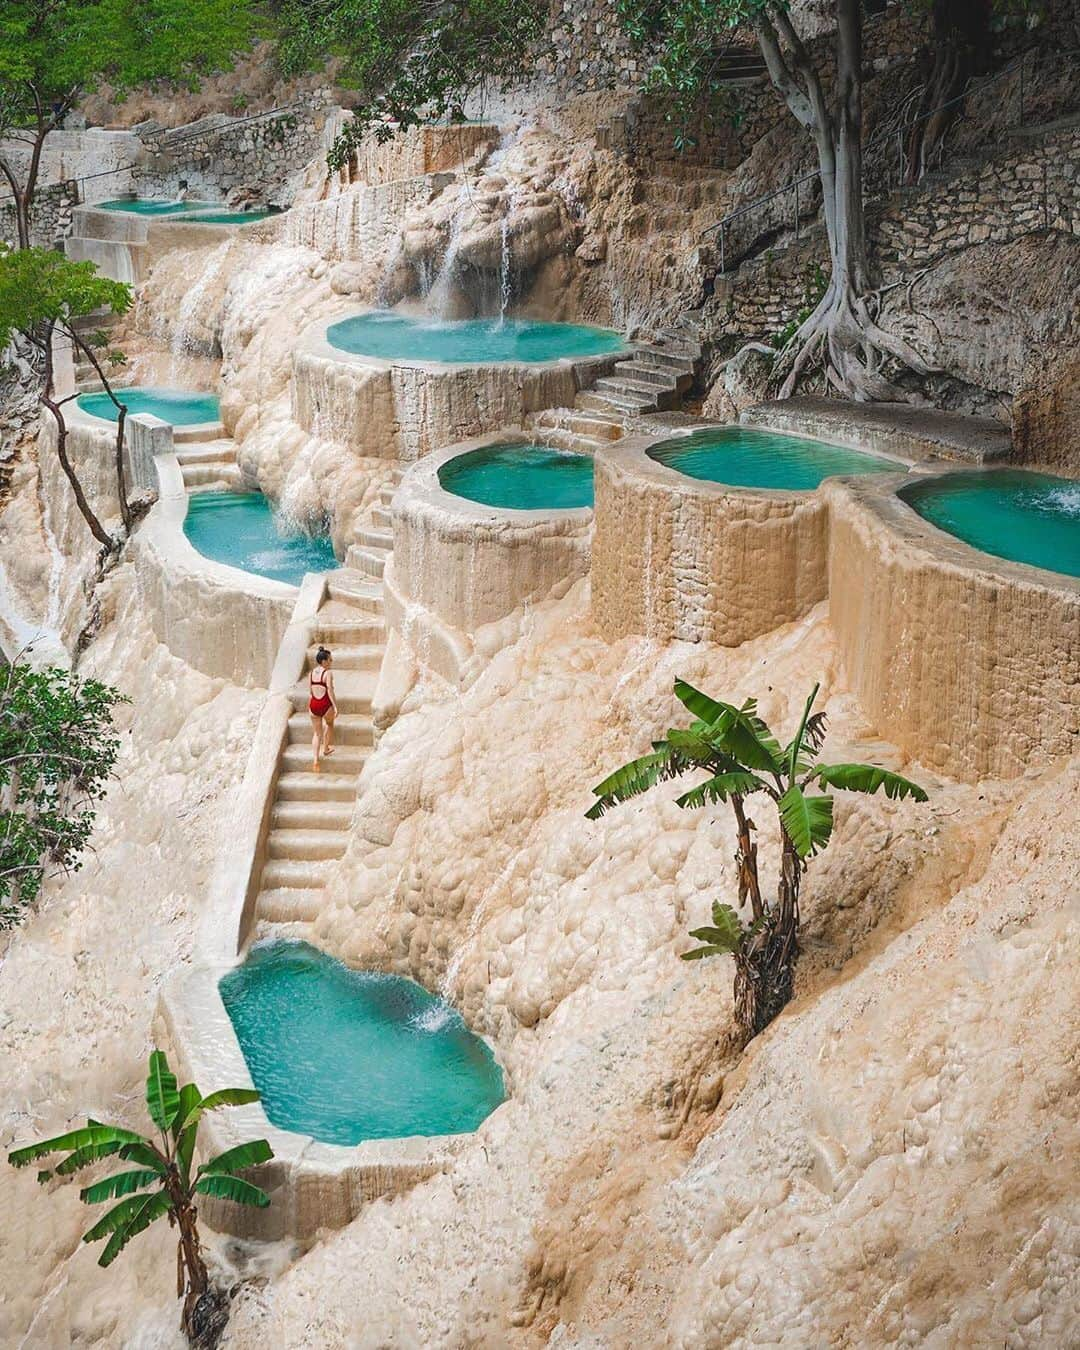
x,y
312,1186
224,621
400,409
457,565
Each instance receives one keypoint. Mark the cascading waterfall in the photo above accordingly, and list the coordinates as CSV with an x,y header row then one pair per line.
x,y
182,341
504,268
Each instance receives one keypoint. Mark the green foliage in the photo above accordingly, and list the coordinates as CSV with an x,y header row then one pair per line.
x,y
40,289
412,60
814,288
53,52
741,757
162,1185
57,751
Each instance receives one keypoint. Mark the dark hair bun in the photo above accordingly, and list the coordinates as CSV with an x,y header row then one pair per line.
x,y
323,654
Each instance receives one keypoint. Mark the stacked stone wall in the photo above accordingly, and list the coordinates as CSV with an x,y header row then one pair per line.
x,y
50,216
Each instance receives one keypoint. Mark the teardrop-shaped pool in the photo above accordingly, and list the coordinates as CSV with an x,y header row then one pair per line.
x,y
347,1055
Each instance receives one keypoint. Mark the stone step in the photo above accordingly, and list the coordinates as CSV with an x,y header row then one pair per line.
x,y
371,562
324,815
307,845
288,905
642,374
681,340
375,539
296,757
352,730
359,656
383,517
201,475
386,494
348,632
625,393
597,425
593,401
317,787
304,874
356,589
660,359
216,452
210,431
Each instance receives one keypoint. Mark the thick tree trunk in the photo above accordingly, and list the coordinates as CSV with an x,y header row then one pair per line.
x,y
961,30
841,336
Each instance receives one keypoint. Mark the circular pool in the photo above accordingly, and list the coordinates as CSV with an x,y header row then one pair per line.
x,y
1016,514
390,336
521,476
747,457
180,407
348,1055
240,530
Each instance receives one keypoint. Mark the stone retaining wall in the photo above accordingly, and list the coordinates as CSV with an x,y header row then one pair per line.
x,y
50,215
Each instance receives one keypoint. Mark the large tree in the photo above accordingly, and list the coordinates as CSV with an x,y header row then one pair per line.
x,y
44,296
54,52
412,60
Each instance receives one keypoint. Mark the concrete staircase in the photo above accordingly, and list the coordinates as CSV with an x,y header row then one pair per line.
x,y
369,554
573,429
652,379
309,827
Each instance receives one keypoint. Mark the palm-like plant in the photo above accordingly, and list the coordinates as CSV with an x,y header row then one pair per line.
x,y
162,1183
740,756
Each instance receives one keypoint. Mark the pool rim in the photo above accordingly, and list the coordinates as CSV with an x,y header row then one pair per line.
x,y
164,220
669,476
491,442
917,530
204,490
313,341
185,430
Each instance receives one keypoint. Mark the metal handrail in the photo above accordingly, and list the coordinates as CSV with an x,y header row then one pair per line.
x,y
901,133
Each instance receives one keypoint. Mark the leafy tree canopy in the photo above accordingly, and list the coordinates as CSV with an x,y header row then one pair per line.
x,y
54,51
39,289
57,750
412,60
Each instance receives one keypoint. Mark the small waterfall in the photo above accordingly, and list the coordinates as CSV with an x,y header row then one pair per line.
x,y
504,269
182,342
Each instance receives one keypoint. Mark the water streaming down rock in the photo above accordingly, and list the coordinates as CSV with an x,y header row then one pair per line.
x,y
183,340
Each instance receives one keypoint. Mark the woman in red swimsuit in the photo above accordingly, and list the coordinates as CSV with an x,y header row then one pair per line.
x,y
322,707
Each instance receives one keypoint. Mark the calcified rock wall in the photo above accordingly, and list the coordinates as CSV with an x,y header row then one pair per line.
x,y
972,669
403,411
361,221
467,565
682,560
421,150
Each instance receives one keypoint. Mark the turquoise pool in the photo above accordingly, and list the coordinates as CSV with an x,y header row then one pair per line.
x,y
180,407
1015,514
240,529
392,337
347,1055
521,476
203,213
747,457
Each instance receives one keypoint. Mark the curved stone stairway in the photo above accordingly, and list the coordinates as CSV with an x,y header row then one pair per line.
x,y
207,463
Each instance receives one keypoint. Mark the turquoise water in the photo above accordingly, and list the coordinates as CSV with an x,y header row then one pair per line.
x,y
240,529
347,1055
152,206
180,407
1016,514
522,476
203,213
746,457
392,336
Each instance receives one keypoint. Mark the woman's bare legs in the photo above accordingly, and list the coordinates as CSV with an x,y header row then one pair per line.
x,y
316,742
329,718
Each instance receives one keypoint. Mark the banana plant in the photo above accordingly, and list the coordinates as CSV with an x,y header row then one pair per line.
x,y
161,1182
740,757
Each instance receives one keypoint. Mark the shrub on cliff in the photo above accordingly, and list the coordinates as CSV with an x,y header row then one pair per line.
x,y
162,1183
57,750
741,757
